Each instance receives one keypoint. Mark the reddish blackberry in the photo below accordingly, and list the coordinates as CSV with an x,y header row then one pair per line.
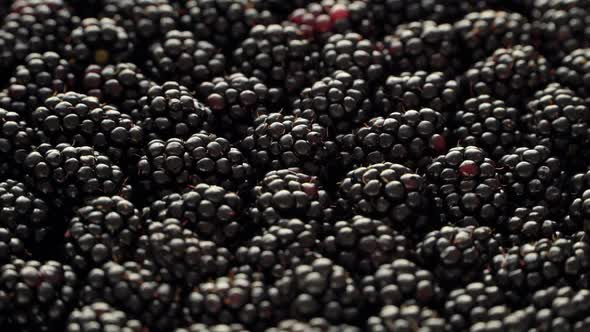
x,y
237,100
287,193
488,123
36,296
101,317
15,142
278,141
510,74
406,317
362,244
65,174
457,254
574,72
318,324
338,102
466,188
411,138
528,224
169,110
182,58
386,190
175,164
319,288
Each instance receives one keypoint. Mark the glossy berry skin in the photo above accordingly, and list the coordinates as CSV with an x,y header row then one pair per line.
x,y
103,316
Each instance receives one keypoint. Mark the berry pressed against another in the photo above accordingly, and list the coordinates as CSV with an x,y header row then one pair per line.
x,y
574,72
318,324
406,317
101,317
15,143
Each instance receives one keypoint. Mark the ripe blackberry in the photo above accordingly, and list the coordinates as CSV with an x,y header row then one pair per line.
x,y
101,41
412,138
182,58
319,288
101,317
423,45
480,33
578,216
106,228
362,244
488,123
200,327
278,141
338,102
356,55
211,211
574,72
65,174
387,15
386,190
511,74
414,91
36,296
318,324
175,164
15,142
288,193
466,188
406,317
236,101
528,224
457,254
169,110
11,51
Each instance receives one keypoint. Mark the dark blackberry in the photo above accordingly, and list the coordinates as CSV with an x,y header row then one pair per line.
x,y
81,120
278,141
406,317
411,137
481,33
15,143
101,317
356,55
488,123
423,45
457,255
279,8
236,101
11,51
176,164
386,190
319,288
362,244
36,296
528,224
387,15
182,58
288,193
169,110
466,188
511,74
414,91
101,41
106,228
574,72
338,102
200,327
65,174
578,216
211,211
318,324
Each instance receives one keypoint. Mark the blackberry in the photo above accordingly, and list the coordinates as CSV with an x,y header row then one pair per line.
x,y
338,102
288,193
319,288
169,110
313,325
406,317
65,174
236,101
101,317
386,190
355,54
389,14
101,41
457,254
466,188
488,123
182,58
176,164
528,224
36,296
577,217
278,7
11,51
574,72
15,142
362,244
211,211
200,327
423,45
511,74
105,229
412,138
278,141
481,33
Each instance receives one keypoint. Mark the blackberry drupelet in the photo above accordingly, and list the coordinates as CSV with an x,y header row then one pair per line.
x,y
36,296
574,72
466,188
406,317
313,325
15,142
488,123
529,224
411,137
389,191
101,317
338,102
182,58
